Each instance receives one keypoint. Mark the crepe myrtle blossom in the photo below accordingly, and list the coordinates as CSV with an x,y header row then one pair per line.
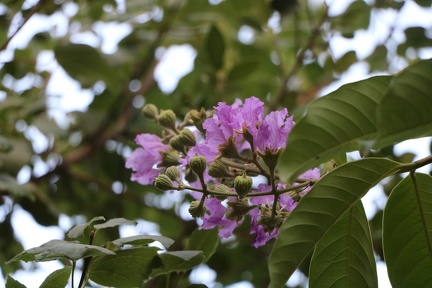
x,y
229,143
144,159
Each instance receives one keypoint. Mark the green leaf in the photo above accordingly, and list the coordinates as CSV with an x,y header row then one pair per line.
x,y
333,125
215,47
58,278
85,64
407,233
319,209
404,112
12,283
115,222
206,241
128,268
78,230
55,249
344,256
140,240
178,261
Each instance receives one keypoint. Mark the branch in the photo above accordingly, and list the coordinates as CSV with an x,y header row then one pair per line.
x,y
299,60
32,12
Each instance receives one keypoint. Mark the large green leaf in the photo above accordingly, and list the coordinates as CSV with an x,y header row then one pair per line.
x,y
405,111
215,47
58,278
204,240
344,256
55,249
128,268
174,261
12,283
78,230
407,233
319,210
86,64
333,125
140,240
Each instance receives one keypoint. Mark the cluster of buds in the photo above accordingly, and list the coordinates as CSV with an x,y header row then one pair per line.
x,y
218,156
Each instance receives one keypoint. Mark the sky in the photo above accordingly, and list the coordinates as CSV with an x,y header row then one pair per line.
x,y
175,62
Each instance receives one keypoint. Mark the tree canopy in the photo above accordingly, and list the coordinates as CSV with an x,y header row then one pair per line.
x,y
60,157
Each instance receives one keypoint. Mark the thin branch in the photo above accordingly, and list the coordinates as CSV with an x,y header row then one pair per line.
x,y
299,60
32,12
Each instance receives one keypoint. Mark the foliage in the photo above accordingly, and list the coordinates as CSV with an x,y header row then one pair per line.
x,y
58,160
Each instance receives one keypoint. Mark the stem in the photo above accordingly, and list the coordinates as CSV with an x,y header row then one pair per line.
x,y
86,264
32,12
168,278
73,274
409,167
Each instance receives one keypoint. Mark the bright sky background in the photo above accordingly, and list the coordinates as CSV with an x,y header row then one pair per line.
x,y
175,62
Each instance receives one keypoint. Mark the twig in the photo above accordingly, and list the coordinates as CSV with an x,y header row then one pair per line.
x,y
299,60
32,12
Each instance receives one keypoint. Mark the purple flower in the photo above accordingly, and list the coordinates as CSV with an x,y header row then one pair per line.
x,y
273,132
217,218
261,237
309,174
143,160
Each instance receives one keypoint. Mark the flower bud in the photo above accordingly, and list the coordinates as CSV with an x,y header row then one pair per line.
x,y
176,144
198,118
218,169
239,209
271,158
167,119
229,150
169,158
198,165
190,176
163,183
268,221
222,189
173,173
187,138
150,111
242,185
197,209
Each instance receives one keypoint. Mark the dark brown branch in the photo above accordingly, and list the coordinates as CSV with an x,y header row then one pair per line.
x,y
32,12
299,61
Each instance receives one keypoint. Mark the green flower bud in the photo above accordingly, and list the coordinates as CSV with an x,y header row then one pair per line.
x,y
163,183
198,118
229,150
167,119
271,158
169,158
197,209
239,209
150,111
187,138
242,185
218,169
176,144
198,165
190,176
173,173
222,189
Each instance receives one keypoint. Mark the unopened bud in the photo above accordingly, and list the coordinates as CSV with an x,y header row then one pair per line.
x,y
239,209
222,189
169,158
173,173
190,176
176,144
271,158
150,111
218,169
167,119
198,165
229,150
163,183
198,118
197,209
187,138
242,185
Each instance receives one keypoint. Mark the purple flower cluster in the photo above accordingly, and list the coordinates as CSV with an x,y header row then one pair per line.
x,y
244,129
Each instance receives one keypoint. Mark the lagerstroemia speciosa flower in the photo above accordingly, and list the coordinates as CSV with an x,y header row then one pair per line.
x,y
243,139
